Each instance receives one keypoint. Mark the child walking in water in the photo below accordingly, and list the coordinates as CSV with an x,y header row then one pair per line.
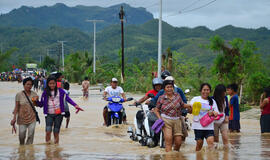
x,y
85,87
234,118
67,113
52,101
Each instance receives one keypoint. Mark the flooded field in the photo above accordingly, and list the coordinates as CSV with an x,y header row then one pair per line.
x,y
88,139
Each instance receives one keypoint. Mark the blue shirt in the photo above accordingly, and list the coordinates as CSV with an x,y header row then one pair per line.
x,y
234,108
44,83
176,89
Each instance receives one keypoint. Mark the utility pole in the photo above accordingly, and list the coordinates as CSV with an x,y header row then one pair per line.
x,y
121,16
94,54
39,58
48,52
159,38
1,48
63,58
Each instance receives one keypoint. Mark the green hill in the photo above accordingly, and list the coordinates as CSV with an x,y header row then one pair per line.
x,y
72,17
140,40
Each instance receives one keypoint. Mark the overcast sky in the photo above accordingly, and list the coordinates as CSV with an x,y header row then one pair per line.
x,y
241,13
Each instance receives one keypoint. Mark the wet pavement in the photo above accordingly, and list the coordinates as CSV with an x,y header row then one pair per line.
x,y
86,138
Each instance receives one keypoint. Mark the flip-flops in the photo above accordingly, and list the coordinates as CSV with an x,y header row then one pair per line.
x,y
196,107
14,130
158,125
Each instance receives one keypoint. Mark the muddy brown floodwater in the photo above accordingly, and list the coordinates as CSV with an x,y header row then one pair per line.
x,y
88,139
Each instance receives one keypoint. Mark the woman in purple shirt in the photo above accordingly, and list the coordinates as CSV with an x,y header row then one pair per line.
x,y
52,101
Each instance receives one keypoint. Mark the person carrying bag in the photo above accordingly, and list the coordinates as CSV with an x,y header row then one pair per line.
x,y
25,113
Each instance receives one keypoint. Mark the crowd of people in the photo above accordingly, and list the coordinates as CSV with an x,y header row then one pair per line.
x,y
10,76
212,115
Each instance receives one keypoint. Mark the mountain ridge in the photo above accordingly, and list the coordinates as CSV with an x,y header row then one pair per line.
x,y
140,40
72,17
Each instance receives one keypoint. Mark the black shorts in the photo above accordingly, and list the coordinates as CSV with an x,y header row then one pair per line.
x,y
201,134
67,114
53,122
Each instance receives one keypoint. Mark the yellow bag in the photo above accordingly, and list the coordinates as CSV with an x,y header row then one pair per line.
x,y
196,107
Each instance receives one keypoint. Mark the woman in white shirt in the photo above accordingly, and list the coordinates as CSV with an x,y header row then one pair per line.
x,y
208,106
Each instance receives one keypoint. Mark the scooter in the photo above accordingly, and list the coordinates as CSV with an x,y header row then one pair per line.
x,y
143,122
115,109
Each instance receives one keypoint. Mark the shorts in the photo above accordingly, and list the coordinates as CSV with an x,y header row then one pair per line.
x,y
55,121
201,134
174,125
220,127
67,114
234,125
264,122
85,93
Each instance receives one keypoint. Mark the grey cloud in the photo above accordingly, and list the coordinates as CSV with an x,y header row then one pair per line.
x,y
243,13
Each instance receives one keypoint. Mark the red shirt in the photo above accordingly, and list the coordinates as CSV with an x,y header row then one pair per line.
x,y
59,84
266,109
154,92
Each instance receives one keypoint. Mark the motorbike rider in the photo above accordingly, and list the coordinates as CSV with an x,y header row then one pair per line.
x,y
113,90
164,75
157,86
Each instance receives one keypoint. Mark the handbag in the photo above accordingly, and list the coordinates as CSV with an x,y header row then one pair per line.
x,y
206,119
34,109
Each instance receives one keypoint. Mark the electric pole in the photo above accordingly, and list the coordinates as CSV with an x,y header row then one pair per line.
x,y
48,52
121,16
39,58
63,58
94,54
1,48
159,38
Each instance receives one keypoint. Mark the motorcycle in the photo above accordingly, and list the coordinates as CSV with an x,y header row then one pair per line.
x,y
115,110
143,122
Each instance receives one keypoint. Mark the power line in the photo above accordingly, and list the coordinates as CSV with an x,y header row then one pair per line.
x,y
190,5
191,10
207,4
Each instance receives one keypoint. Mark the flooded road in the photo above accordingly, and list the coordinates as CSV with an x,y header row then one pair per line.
x,y
88,139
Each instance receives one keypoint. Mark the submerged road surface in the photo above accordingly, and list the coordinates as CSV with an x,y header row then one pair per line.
x,y
86,138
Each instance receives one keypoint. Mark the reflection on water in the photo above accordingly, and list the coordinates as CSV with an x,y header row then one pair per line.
x,y
24,152
88,139
265,145
53,152
235,140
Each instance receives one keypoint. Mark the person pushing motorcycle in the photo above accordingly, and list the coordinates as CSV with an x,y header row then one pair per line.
x,y
157,86
166,75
